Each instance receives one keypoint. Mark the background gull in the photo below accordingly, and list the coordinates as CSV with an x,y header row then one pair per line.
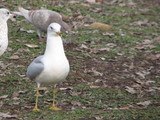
x,y
4,16
41,19
53,66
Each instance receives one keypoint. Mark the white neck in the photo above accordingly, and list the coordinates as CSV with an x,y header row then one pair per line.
x,y
54,47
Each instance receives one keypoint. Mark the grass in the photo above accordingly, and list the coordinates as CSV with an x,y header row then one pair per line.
x,y
109,99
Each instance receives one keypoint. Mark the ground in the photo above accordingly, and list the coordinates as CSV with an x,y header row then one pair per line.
x,y
114,72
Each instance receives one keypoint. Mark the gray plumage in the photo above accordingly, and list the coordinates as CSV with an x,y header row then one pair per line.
x,y
35,68
41,19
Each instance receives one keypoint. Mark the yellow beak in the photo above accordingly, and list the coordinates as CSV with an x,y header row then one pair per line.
x,y
59,33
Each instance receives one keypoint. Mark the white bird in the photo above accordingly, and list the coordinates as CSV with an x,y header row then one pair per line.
x,y
53,66
41,19
4,16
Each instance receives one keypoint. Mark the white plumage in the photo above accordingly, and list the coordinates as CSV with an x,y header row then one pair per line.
x,y
53,66
4,16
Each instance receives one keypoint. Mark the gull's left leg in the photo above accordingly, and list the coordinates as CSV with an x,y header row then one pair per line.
x,y
54,107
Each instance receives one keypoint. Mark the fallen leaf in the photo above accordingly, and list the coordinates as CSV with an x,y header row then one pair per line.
x,y
7,115
104,49
68,88
130,90
32,46
93,86
83,46
76,103
150,82
22,92
92,118
75,93
146,42
108,34
144,22
142,74
136,86
100,26
14,57
91,1
15,94
94,71
101,1
3,65
111,45
28,31
145,103
156,88
3,96
140,82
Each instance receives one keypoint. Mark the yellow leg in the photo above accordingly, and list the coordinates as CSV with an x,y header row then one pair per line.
x,y
36,105
54,107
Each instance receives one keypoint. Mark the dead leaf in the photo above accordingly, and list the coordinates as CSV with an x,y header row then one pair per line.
x,y
73,2
140,82
75,93
93,86
150,82
126,107
92,118
91,1
101,1
144,22
32,45
136,86
111,45
156,88
14,57
3,65
28,31
3,96
94,71
146,42
76,103
15,94
142,74
103,26
108,34
68,88
145,103
104,49
22,92
130,90
7,115
83,46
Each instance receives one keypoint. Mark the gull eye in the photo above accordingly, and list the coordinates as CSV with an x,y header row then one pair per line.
x,y
8,13
51,28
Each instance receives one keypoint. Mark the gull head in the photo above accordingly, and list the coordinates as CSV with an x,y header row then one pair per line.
x,y
54,29
5,14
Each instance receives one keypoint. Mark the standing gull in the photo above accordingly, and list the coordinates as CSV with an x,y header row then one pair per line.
x,y
41,19
52,67
4,16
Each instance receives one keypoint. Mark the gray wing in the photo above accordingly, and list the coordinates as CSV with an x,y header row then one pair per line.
x,y
42,18
35,68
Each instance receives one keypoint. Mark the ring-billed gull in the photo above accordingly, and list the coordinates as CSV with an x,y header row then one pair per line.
x,y
53,66
41,19
4,16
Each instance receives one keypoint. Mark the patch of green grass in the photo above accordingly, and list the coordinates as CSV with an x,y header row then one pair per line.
x,y
103,102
